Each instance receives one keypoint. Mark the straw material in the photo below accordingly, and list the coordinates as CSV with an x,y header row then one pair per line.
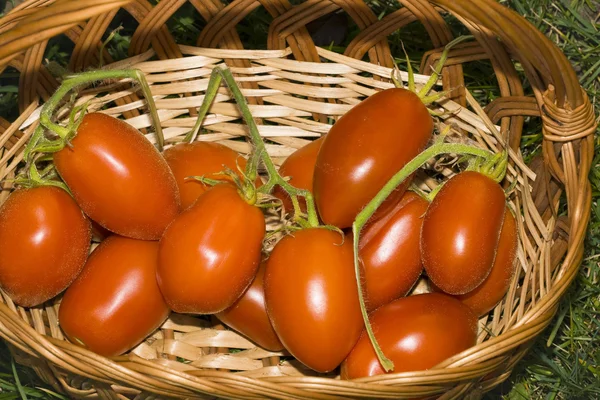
x,y
294,88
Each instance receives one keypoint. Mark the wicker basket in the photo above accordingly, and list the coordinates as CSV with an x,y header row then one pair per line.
x,y
293,88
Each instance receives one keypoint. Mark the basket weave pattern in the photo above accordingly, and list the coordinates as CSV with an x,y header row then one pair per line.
x,y
293,88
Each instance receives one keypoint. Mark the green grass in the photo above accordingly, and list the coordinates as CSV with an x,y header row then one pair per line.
x,y
565,361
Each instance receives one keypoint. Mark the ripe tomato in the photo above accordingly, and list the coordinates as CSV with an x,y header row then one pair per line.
x,y
300,167
483,298
390,251
312,298
416,333
461,230
197,159
44,242
364,149
248,315
118,178
115,303
210,253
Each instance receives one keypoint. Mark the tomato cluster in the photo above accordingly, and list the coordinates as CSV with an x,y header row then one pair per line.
x,y
177,241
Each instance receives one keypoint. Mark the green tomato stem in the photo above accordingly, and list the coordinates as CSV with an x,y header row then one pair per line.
x,y
211,92
71,82
260,152
366,213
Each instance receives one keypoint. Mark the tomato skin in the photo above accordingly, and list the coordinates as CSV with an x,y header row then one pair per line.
x,y
485,296
364,149
248,315
115,303
198,159
44,243
118,178
210,253
461,230
391,253
416,333
312,298
300,167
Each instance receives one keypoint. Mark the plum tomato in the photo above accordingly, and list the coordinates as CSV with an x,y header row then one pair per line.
x,y
248,315
300,168
44,243
119,178
461,230
485,296
390,251
364,149
198,159
115,303
416,333
210,253
312,297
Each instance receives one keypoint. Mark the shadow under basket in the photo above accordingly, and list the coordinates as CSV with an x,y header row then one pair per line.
x,y
296,91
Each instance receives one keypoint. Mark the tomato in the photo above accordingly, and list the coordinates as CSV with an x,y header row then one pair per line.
x,y
118,178
210,253
312,298
248,315
299,167
416,333
198,159
461,230
483,298
115,303
364,149
44,243
390,251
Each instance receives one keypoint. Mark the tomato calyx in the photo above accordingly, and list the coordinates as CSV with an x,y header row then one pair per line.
x,y
423,93
493,167
246,187
35,178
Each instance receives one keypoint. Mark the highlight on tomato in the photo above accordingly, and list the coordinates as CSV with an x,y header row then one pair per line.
x,y
210,253
311,296
115,303
416,333
461,230
44,243
118,178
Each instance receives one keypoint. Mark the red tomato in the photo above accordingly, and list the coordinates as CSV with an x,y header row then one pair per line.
x,y
118,178
416,333
483,298
312,298
115,303
44,242
210,253
248,315
197,159
364,149
390,251
461,230
300,167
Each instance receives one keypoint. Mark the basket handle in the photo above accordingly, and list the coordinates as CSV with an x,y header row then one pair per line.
x,y
22,28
